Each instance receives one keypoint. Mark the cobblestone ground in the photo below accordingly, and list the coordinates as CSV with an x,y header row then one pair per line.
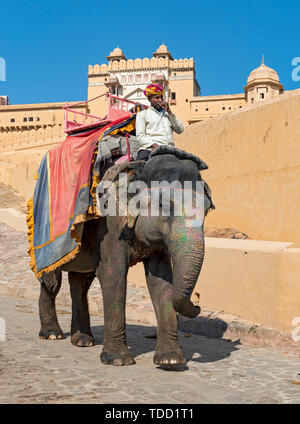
x,y
37,371
17,279
218,371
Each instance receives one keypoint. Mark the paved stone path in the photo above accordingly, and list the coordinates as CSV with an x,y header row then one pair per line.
x,y
36,371
218,371
9,198
17,279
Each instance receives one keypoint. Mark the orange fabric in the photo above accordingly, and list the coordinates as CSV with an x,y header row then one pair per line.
x,y
70,166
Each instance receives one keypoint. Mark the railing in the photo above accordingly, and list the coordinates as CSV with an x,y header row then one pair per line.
x,y
117,108
75,119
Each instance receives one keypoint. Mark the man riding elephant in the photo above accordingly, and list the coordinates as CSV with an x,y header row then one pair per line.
x,y
155,125
171,249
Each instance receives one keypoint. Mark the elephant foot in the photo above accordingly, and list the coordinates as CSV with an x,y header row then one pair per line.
x,y
117,357
170,358
51,334
82,340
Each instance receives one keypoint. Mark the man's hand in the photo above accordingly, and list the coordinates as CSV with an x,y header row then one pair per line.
x,y
166,106
154,145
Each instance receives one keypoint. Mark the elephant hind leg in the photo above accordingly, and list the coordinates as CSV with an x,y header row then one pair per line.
x,y
50,285
81,333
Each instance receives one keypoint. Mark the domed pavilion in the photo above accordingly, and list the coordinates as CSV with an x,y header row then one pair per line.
x,y
162,51
263,83
116,54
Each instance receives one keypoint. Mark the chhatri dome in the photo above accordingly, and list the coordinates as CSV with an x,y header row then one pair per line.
x,y
263,72
162,51
162,48
116,54
263,83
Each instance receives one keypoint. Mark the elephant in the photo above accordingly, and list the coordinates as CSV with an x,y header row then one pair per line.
x,y
172,254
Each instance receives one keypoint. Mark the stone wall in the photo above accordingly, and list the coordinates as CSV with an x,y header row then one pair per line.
x,y
207,107
254,167
31,138
18,169
32,126
255,280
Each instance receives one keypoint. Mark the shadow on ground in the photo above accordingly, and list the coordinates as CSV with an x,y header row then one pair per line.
x,y
141,339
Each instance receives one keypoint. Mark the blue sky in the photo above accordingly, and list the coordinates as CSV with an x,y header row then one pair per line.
x,y
48,45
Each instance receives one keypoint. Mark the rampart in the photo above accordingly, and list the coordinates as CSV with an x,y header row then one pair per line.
x,y
255,280
140,64
24,127
26,133
253,156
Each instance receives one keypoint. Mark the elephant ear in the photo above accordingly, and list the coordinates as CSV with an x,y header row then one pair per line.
x,y
134,171
210,205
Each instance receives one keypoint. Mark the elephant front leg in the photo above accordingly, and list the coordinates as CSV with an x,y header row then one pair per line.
x,y
50,285
159,280
81,333
112,274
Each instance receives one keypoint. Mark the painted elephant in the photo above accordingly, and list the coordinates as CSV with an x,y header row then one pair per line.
x,y
171,251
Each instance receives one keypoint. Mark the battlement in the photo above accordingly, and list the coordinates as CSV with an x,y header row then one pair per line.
x,y
141,65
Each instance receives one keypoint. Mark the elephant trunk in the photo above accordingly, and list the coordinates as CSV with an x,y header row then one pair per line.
x,y
186,248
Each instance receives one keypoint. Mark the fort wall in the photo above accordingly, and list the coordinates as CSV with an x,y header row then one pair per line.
x,y
255,280
33,126
253,156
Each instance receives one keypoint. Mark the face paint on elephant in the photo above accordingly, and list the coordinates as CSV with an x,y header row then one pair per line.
x,y
186,248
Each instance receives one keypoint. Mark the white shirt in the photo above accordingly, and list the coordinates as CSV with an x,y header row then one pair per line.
x,y
153,126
